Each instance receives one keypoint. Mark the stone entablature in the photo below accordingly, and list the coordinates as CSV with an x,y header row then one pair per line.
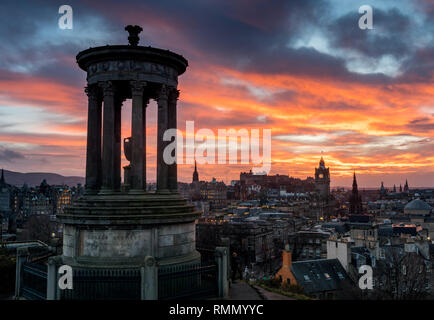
x,y
132,70
131,63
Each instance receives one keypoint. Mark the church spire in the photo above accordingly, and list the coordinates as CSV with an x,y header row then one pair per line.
x,y
195,173
406,186
321,163
354,181
355,198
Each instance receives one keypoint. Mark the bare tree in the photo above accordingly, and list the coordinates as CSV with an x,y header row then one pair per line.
x,y
401,276
38,227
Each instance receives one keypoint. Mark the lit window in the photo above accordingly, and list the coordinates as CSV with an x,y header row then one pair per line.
x,y
327,276
306,277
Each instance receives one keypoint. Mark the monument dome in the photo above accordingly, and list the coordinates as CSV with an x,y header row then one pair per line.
x,y
417,206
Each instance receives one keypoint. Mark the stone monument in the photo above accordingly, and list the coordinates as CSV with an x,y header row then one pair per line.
x,y
117,225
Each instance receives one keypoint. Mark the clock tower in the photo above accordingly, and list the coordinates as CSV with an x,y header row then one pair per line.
x,y
322,180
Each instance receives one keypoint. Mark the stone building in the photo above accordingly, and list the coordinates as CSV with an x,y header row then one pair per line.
x,y
251,242
5,204
307,245
321,279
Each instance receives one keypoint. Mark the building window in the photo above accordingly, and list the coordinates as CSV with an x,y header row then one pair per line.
x,y
327,276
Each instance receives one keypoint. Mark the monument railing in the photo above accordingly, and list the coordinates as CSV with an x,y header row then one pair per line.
x,y
104,284
197,281
34,281
207,279
31,274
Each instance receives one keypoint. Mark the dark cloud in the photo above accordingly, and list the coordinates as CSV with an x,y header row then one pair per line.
x,y
32,44
390,35
331,106
250,36
419,67
9,155
421,125
203,117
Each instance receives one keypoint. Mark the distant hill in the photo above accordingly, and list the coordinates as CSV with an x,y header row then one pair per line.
x,y
35,178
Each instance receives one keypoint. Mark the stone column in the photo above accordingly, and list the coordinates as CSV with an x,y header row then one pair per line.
x,y
138,136
93,151
22,254
221,255
172,124
108,148
149,276
117,144
52,278
162,167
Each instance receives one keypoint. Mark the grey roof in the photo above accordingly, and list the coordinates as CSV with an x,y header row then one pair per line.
x,y
319,275
417,205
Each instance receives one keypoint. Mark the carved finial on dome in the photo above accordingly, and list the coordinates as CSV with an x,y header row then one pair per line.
x,y
134,34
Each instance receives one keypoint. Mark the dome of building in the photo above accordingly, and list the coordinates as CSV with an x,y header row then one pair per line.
x,y
417,207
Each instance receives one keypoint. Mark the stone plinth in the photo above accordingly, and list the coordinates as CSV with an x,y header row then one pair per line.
x,y
122,229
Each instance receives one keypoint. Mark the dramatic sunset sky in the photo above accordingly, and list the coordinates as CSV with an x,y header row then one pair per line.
x,y
304,69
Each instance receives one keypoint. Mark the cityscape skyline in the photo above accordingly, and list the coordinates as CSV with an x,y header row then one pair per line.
x,y
220,150
58,177
367,107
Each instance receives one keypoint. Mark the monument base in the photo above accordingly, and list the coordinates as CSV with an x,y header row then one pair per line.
x,y
121,229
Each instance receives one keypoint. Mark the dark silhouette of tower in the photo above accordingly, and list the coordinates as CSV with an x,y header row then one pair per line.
x,y
195,173
322,180
406,186
382,188
355,199
2,180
